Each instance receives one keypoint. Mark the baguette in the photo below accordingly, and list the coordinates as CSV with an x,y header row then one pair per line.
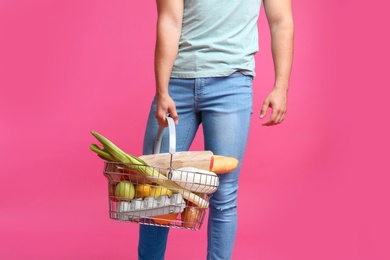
x,y
223,164
204,160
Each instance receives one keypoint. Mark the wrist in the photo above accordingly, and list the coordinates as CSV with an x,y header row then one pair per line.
x,y
162,93
161,89
281,87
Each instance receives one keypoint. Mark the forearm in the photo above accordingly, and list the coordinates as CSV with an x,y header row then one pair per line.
x,y
282,53
167,42
165,54
280,20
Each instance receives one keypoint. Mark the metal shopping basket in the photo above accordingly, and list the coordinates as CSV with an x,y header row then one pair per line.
x,y
175,198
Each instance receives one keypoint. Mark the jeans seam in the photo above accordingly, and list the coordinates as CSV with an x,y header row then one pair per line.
x,y
187,133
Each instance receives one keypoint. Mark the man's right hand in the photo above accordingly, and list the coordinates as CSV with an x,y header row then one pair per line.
x,y
166,105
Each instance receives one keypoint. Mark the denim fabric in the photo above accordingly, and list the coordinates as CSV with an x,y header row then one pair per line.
x,y
223,105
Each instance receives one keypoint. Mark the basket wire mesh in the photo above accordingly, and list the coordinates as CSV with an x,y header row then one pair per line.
x,y
180,201
159,196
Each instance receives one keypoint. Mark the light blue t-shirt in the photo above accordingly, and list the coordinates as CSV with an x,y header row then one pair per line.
x,y
219,37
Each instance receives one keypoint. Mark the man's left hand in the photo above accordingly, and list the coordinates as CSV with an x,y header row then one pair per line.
x,y
277,101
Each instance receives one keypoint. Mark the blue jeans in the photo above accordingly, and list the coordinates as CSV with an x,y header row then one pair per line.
x,y
223,106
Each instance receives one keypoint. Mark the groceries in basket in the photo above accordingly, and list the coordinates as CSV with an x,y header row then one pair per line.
x,y
161,189
204,160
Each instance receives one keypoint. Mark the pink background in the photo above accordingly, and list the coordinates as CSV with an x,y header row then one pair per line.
x,y
315,187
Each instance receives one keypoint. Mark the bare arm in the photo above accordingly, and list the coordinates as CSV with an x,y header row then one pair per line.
x,y
169,22
280,20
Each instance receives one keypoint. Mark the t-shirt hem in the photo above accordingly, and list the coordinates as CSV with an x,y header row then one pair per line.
x,y
209,74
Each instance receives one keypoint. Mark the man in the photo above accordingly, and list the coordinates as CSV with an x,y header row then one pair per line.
x,y
204,67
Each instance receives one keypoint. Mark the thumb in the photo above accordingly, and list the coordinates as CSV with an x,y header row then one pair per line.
x,y
264,108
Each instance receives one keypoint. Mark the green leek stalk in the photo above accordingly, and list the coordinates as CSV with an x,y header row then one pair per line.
x,y
111,152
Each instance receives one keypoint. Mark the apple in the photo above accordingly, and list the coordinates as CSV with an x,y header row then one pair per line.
x,y
125,190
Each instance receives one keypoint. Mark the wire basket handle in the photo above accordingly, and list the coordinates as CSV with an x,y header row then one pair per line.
x,y
172,137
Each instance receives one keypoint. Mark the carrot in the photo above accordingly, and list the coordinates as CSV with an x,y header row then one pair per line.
x,y
165,219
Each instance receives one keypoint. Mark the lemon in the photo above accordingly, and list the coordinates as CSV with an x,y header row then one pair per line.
x,y
158,191
142,190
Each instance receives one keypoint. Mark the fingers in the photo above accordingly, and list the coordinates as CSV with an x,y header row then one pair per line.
x,y
161,118
277,101
174,116
277,117
166,106
264,108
